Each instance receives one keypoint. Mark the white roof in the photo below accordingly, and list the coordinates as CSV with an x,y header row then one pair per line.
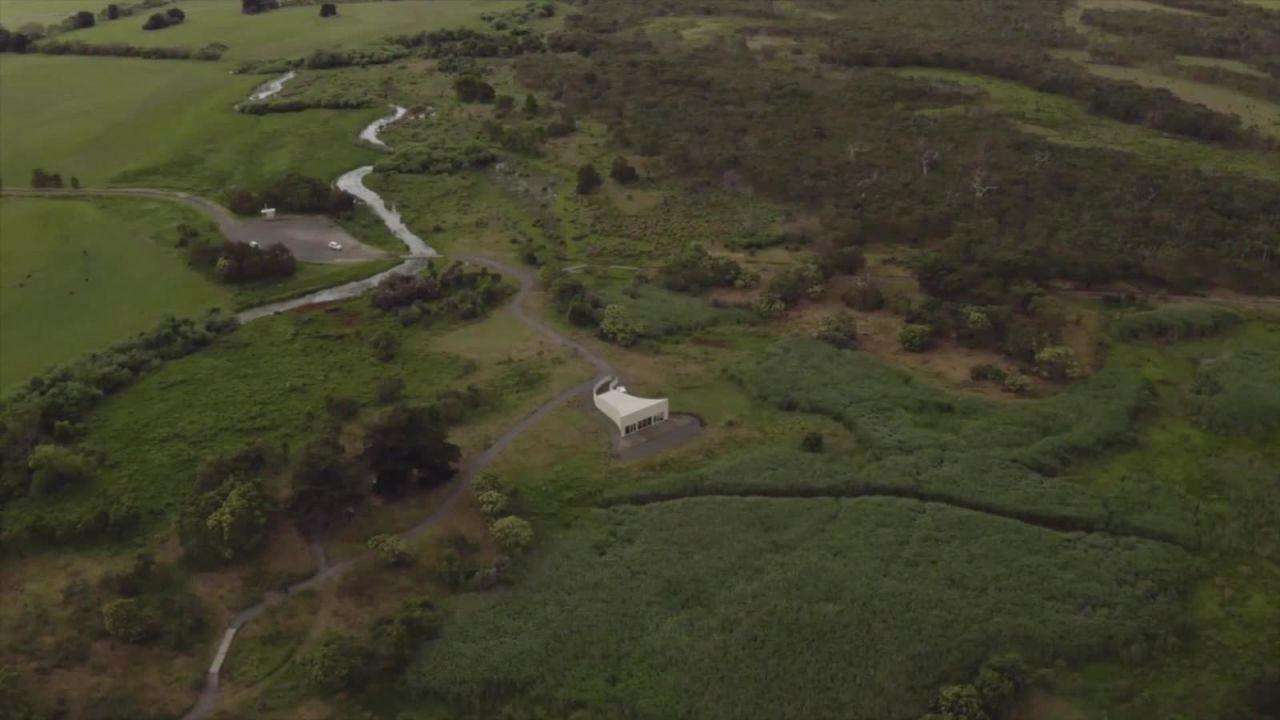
x,y
626,404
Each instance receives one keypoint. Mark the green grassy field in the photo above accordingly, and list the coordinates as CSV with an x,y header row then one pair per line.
x,y
148,123
77,275
16,13
1067,121
290,32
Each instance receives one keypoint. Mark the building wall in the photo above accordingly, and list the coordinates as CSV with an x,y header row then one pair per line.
x,y
632,421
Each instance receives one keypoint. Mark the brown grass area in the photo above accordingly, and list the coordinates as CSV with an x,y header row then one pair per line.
x,y
1041,705
284,559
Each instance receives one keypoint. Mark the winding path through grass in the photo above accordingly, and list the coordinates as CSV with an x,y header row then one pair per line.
x,y
419,254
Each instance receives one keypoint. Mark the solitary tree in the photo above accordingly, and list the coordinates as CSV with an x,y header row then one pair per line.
x,y
588,179
113,12
409,444
623,172
531,106
512,533
328,10
915,338
82,19
75,182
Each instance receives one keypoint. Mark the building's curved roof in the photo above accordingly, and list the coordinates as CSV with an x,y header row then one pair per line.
x,y
625,404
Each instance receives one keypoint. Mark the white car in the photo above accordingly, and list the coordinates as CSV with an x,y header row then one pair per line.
x,y
335,245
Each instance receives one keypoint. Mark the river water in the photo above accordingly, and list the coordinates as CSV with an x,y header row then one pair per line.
x,y
353,182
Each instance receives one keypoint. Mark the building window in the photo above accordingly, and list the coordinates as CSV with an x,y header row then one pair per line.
x,y
630,429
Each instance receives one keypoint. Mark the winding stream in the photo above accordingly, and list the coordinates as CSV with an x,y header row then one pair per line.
x,y
353,182
271,87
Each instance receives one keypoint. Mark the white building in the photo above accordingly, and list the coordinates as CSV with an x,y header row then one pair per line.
x,y
268,213
628,412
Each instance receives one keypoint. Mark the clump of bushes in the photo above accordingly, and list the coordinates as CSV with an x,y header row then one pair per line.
x,y
694,270
162,20
471,89
838,330
341,663
236,262
915,338
293,193
225,524
435,160
324,59
391,550
451,292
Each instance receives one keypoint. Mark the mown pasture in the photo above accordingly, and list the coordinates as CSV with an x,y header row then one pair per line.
x,y
291,31
149,123
77,275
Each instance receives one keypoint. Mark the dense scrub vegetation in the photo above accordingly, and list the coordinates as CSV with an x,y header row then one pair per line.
x,y
292,193
1006,206
858,607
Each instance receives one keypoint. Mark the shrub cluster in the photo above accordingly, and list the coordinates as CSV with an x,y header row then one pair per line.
x,y
236,262
288,105
436,160
453,291
293,193
323,59
694,270
160,21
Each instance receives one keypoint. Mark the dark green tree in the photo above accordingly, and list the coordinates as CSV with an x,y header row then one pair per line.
x,y
623,172
323,481
408,445
588,179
